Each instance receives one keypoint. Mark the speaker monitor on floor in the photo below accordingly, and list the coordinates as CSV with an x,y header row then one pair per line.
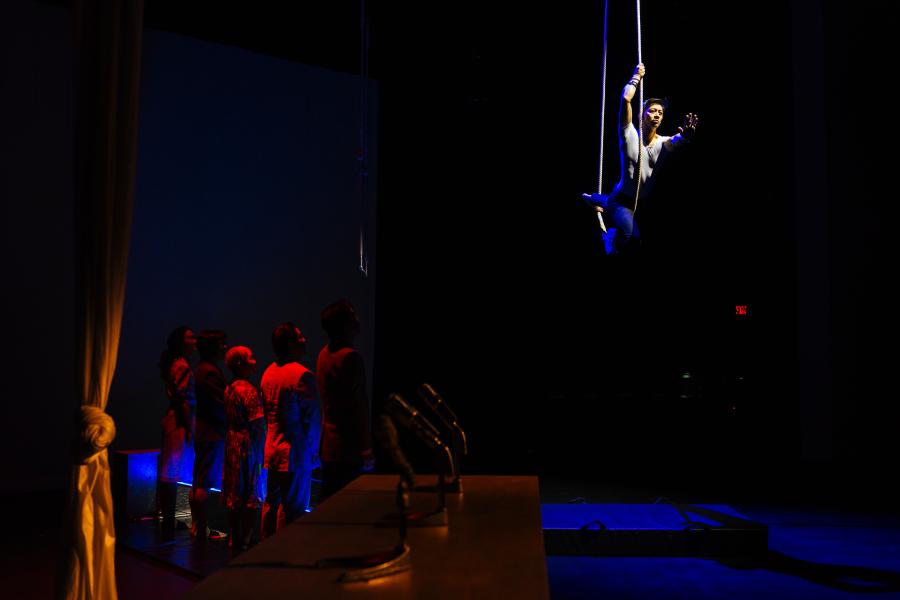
x,y
133,483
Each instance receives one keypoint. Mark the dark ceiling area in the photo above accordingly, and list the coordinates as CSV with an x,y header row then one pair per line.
x,y
325,34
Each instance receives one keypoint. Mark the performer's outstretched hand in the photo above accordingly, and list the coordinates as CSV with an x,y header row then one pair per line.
x,y
689,127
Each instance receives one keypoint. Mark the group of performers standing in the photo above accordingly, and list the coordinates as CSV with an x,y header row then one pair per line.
x,y
262,443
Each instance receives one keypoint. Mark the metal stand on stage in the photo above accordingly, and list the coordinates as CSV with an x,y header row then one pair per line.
x,y
389,563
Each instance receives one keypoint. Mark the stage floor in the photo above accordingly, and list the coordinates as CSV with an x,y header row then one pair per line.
x,y
815,551
181,551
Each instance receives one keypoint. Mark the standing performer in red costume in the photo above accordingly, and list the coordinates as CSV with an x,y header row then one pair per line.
x,y
294,420
243,480
178,422
346,420
209,443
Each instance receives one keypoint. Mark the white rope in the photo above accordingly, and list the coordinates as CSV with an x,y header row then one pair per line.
x,y
603,96
603,109
640,164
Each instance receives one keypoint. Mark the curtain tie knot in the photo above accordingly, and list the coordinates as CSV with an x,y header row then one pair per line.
x,y
97,431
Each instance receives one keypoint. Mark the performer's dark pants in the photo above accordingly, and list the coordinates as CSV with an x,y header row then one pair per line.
x,y
287,497
627,237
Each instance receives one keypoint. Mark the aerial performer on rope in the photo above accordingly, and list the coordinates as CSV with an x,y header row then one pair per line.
x,y
641,153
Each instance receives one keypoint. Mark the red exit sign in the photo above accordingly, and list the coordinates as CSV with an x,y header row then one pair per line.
x,y
741,310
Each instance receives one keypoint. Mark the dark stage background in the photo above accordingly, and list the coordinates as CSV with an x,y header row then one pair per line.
x,y
564,363
491,285
557,358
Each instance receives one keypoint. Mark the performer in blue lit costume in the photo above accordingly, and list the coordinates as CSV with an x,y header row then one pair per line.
x,y
641,156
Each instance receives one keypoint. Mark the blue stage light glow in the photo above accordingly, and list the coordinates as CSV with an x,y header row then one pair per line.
x,y
186,484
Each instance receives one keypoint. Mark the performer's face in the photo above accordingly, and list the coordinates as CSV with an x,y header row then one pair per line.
x,y
653,116
190,342
300,345
353,325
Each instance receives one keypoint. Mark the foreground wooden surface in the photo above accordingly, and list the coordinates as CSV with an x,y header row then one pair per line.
x,y
493,547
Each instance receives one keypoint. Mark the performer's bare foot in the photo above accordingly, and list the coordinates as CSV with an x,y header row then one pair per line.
x,y
594,200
